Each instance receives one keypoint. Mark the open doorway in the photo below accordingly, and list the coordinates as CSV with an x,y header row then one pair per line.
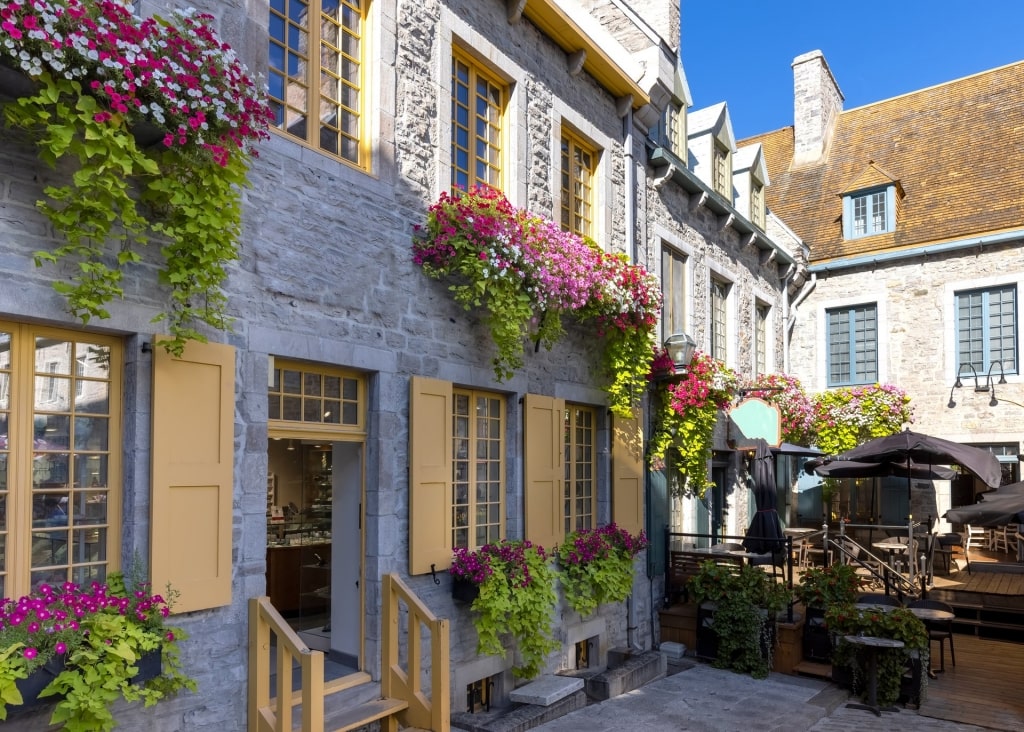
x,y
314,542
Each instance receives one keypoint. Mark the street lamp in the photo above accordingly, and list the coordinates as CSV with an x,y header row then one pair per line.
x,y
680,348
989,386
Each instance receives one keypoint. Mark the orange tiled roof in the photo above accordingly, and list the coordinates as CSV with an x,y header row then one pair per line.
x,y
956,149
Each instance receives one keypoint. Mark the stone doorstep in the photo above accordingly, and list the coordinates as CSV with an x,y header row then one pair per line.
x,y
627,671
673,650
518,717
546,690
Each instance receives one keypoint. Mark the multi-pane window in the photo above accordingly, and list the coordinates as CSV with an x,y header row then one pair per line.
x,y
668,132
578,163
761,312
757,213
478,108
719,302
987,328
721,170
852,345
320,101
869,214
673,292
314,396
478,467
59,472
579,468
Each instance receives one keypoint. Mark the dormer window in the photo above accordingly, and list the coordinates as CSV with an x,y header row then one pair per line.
x,y
670,131
721,170
871,204
757,203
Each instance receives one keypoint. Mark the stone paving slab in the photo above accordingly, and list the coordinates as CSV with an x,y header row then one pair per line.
x,y
706,699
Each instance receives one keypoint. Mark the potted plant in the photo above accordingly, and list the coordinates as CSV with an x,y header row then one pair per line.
x,y
899,670
516,595
85,648
739,606
98,73
597,566
819,589
526,273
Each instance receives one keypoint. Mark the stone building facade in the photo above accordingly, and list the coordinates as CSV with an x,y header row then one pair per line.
x,y
935,265
325,288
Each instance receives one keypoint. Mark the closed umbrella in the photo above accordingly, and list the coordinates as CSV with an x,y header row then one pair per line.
x,y
765,532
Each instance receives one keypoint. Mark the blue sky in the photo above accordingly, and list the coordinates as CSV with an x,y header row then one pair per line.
x,y
740,51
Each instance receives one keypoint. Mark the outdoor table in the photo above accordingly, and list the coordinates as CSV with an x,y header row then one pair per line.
x,y
929,613
876,607
748,556
893,548
872,644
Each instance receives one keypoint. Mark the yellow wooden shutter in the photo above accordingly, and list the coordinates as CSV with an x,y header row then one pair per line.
x,y
430,474
628,474
193,450
544,469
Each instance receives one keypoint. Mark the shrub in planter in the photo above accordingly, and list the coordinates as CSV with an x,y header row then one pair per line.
x,y
820,588
746,603
89,644
517,596
597,566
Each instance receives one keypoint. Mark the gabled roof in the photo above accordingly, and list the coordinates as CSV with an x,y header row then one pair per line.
x,y
750,157
872,177
957,150
713,119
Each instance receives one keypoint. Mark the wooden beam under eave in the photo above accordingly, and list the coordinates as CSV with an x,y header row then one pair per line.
x,y
514,9
724,222
575,62
697,201
752,239
766,260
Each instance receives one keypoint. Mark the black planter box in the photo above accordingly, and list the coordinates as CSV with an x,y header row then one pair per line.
x,y
464,591
817,641
35,683
150,665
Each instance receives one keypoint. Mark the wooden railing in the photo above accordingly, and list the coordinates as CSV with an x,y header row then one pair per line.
x,y
402,690
431,713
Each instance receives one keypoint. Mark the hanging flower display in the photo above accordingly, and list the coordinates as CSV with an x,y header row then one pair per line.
x,y
97,75
846,417
684,415
527,273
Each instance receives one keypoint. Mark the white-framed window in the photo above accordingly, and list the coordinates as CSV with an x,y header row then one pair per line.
x,y
762,312
670,130
852,337
478,468
867,213
673,291
318,75
986,328
720,319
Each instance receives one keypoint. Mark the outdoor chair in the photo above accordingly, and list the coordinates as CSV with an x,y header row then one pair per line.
x,y
1003,538
939,630
975,537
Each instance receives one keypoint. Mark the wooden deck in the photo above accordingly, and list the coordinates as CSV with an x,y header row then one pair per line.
x,y
984,688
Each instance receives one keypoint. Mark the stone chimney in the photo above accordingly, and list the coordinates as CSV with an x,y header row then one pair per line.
x,y
817,103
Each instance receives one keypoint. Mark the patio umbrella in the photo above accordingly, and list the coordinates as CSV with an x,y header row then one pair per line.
x,y
853,469
1005,505
765,532
927,450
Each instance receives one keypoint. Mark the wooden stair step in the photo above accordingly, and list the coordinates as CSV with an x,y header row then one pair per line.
x,y
357,716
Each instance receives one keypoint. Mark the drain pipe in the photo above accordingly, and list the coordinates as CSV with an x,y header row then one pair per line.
x,y
624,107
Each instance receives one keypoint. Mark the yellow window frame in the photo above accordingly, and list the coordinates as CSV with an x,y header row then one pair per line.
x,y
578,170
580,467
321,400
21,388
479,432
332,36
477,159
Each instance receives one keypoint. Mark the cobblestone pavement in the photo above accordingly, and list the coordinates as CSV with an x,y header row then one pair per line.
x,y
706,699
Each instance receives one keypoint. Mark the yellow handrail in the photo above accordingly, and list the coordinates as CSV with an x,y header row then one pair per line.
x,y
265,716
273,712
427,713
